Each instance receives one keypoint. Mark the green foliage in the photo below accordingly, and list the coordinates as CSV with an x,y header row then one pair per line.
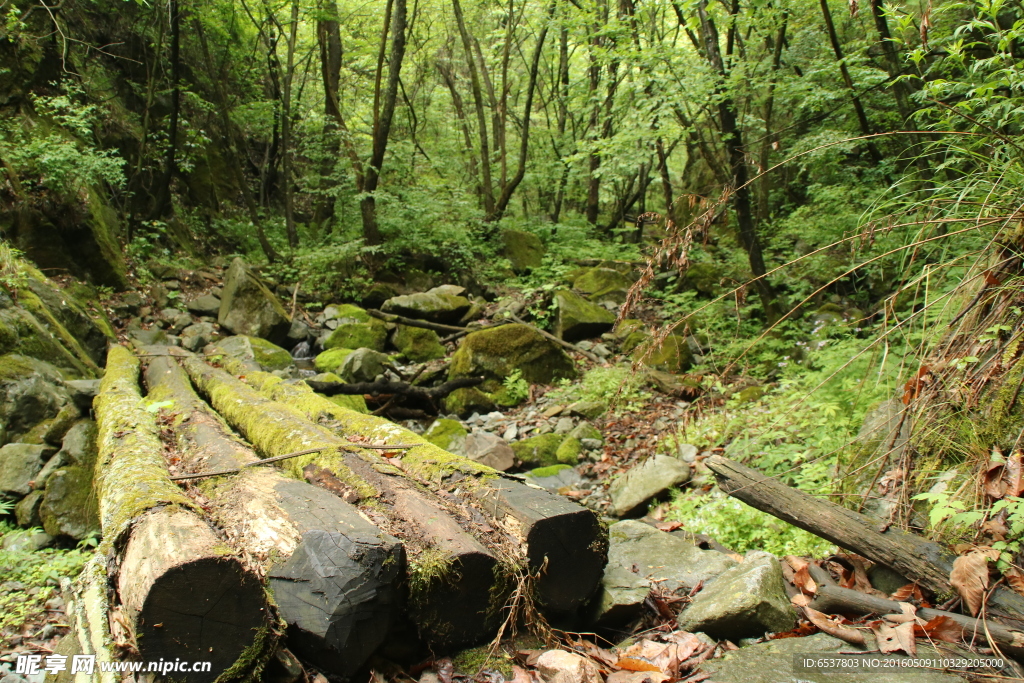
x,y
59,152
615,387
12,268
40,572
740,527
517,389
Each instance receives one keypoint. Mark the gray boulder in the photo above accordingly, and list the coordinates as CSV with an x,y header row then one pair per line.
x,y
83,391
631,492
27,510
27,542
621,597
748,600
248,307
555,477
31,391
196,336
489,449
79,445
69,505
207,304
778,661
440,304
150,337
580,319
363,365
20,463
264,354
658,555
523,249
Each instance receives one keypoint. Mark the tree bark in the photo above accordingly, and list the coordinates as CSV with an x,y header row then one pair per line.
x,y
334,575
163,203
451,574
920,561
286,129
561,540
180,594
328,34
382,126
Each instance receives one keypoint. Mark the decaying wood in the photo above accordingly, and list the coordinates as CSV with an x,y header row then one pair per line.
x,y
560,342
836,600
182,593
565,543
362,476
919,560
396,388
413,322
87,611
333,574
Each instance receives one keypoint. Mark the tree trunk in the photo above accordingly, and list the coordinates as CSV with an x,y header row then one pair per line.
x,y
334,575
328,33
452,573
180,594
286,130
382,125
547,525
163,204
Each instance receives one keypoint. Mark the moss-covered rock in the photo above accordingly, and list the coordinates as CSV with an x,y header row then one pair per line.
x,y
703,277
673,354
444,304
539,451
71,314
331,359
31,392
247,306
69,504
495,353
367,335
418,344
363,365
351,402
569,450
750,394
348,313
523,249
468,400
603,284
585,430
266,355
31,329
443,433
579,318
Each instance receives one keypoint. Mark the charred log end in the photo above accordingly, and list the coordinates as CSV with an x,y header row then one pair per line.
x,y
570,551
209,610
455,608
338,594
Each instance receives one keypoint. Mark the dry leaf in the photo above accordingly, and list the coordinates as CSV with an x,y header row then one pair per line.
x,y
911,590
852,636
445,669
992,480
1014,476
970,578
895,639
520,675
634,664
941,628
1015,578
638,677
801,600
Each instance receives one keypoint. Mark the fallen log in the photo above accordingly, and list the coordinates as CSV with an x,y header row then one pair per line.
x,y
182,593
333,574
919,560
836,600
413,322
564,542
87,611
400,388
451,573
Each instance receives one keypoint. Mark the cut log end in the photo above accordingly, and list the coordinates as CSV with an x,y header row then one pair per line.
x,y
456,609
204,610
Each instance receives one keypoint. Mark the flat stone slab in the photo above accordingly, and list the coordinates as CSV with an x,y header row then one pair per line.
x,y
658,555
631,492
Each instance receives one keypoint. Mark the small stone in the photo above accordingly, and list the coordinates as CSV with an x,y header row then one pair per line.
x,y
83,391
553,411
195,337
601,351
559,666
621,597
511,432
555,477
591,444
564,425
585,345
489,449
587,409
644,482
207,304
27,542
660,425
748,600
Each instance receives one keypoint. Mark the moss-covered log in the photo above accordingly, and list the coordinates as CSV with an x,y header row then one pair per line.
x,y
451,571
565,542
333,574
182,592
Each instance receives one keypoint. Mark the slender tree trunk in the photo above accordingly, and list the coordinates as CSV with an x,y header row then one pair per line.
x,y
481,118
382,125
328,35
765,184
460,112
892,61
563,115
732,136
163,203
286,129
666,178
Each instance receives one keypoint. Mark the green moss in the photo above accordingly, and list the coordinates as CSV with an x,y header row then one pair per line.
x,y
673,355
425,570
569,451
468,400
507,399
418,344
627,327
750,394
443,431
351,313
579,318
549,471
471,662
634,340
538,451
603,284
331,359
494,353
269,356
371,335
249,666
523,249
106,232
14,367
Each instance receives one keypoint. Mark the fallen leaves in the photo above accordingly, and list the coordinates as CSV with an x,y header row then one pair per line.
x,y
850,635
970,577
